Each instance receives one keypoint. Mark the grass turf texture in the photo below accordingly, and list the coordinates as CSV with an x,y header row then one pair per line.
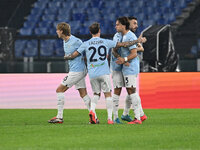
x,y
27,129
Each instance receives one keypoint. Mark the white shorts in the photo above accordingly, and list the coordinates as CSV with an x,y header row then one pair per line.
x,y
101,83
130,81
118,79
75,78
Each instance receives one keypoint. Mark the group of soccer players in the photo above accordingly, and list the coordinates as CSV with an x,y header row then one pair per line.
x,y
124,65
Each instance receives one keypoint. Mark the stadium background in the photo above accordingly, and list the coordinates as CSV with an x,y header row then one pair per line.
x,y
31,67
29,43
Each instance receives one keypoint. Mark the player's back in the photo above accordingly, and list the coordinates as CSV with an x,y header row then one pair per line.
x,y
77,64
96,52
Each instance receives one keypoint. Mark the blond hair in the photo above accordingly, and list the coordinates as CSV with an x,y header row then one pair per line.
x,y
65,27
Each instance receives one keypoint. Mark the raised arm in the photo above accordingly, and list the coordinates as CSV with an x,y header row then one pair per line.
x,y
72,56
140,47
130,43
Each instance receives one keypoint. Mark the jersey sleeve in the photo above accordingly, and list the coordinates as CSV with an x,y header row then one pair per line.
x,y
81,49
111,43
78,43
132,38
115,37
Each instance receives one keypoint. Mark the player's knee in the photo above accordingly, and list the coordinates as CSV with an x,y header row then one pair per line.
x,y
82,92
61,89
131,90
98,94
117,91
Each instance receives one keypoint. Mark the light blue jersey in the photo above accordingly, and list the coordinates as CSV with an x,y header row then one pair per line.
x,y
77,64
133,69
96,50
114,66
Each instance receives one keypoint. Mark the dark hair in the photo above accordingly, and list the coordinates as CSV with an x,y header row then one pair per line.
x,y
124,21
65,27
94,28
132,17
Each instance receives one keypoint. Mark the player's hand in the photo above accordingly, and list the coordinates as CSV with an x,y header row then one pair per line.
x,y
127,64
67,57
141,39
120,60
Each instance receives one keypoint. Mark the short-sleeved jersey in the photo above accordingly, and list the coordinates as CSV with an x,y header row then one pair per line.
x,y
133,69
96,50
77,64
114,66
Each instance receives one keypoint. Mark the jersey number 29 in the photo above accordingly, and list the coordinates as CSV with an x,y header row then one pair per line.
x,y
101,52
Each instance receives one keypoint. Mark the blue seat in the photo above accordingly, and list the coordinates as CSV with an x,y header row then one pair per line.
x,y
41,4
52,31
26,31
50,11
34,17
29,24
45,24
19,47
64,17
47,48
59,51
31,49
41,31
48,17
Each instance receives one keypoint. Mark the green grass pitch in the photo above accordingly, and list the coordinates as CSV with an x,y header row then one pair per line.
x,y
165,129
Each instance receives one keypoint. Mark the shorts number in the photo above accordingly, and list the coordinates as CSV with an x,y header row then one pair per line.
x,y
101,52
126,80
65,78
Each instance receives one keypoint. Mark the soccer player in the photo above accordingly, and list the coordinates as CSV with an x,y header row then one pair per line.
x,y
130,70
96,50
118,79
77,71
133,27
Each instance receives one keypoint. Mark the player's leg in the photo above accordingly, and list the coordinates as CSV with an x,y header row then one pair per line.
x,y
130,83
143,117
81,87
71,79
118,83
60,104
96,90
106,88
128,103
125,116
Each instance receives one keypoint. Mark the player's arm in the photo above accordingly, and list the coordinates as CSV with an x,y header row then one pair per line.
x,y
115,52
140,47
141,39
132,55
72,56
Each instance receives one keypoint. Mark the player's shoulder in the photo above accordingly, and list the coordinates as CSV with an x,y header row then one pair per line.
x,y
131,35
74,38
118,35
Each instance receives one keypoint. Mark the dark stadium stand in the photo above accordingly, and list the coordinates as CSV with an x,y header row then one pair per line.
x,y
45,15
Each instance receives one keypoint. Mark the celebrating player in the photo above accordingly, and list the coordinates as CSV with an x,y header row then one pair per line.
x,y
77,71
98,69
130,70
133,27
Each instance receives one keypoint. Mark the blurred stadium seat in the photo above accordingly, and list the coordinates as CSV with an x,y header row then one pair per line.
x,y
80,14
85,12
